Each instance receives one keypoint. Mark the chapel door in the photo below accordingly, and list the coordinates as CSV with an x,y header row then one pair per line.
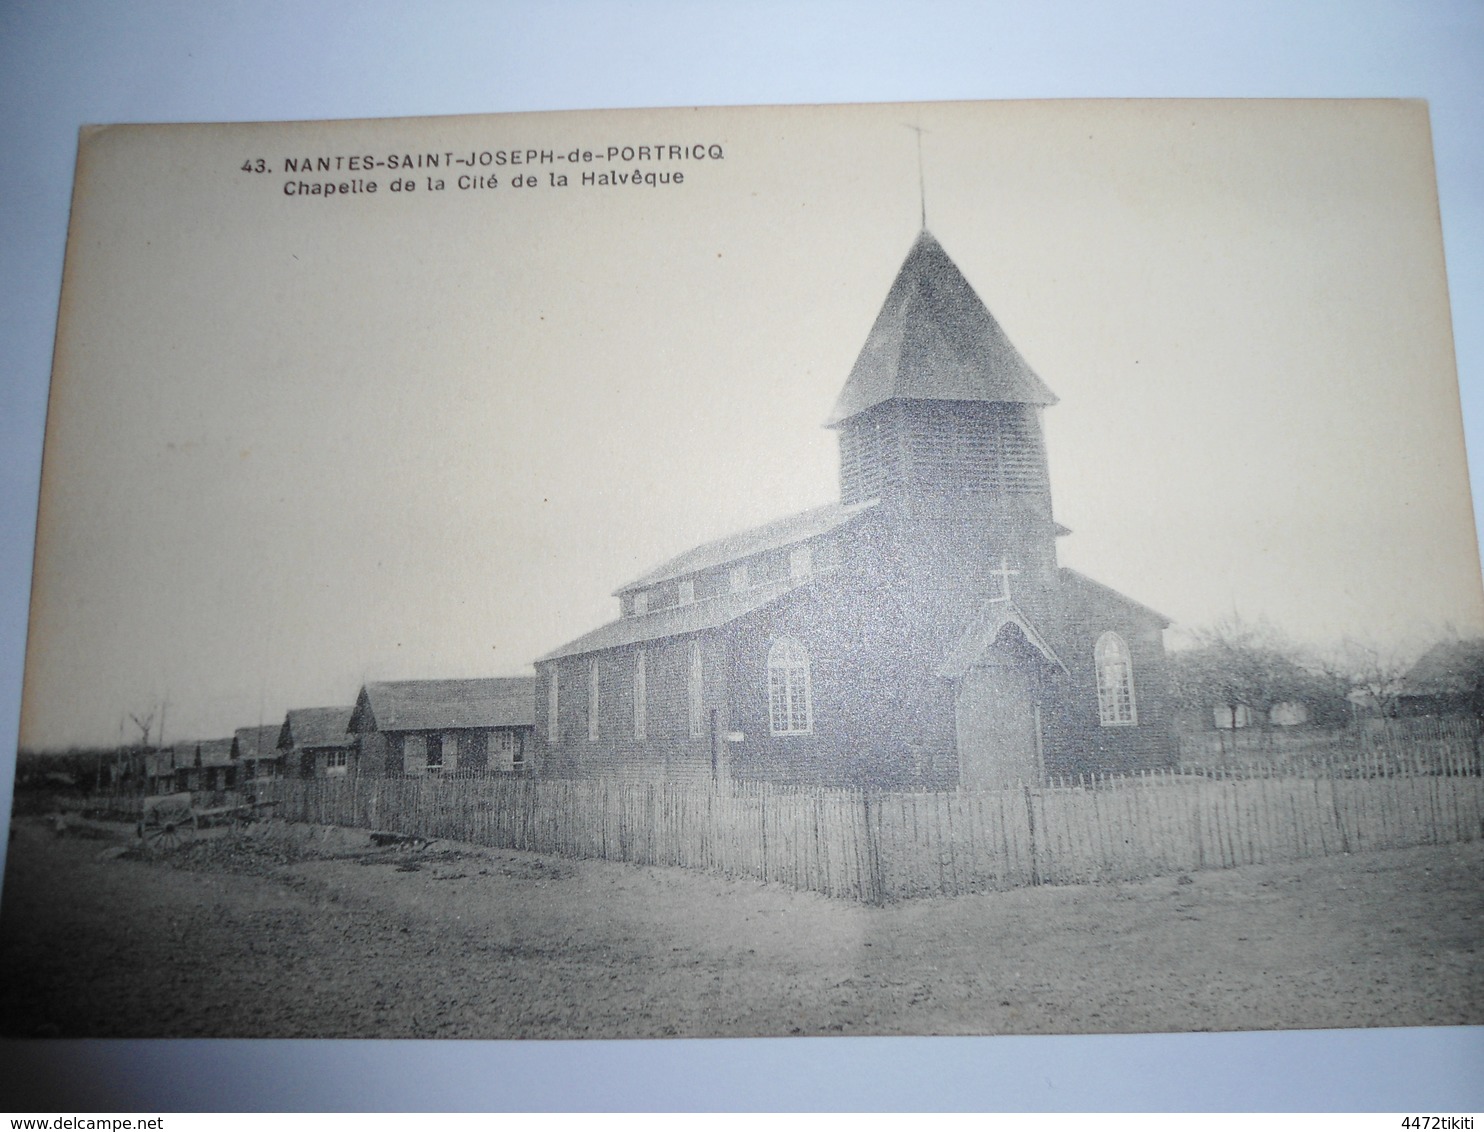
x,y
997,726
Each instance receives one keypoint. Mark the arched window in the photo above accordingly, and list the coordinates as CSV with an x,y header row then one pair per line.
x,y
789,709
1115,674
641,696
696,692
593,701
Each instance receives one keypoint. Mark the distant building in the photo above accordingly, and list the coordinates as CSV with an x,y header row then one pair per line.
x,y
159,769
255,750
316,743
1290,713
1448,679
1229,717
919,631
205,765
421,727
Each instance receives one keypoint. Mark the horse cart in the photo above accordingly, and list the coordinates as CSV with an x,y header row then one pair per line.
x,y
170,819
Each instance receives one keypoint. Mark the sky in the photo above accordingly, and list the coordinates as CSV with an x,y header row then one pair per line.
x,y
296,443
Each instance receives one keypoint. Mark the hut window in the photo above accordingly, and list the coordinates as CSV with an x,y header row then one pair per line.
x,y
551,704
593,701
800,563
687,591
737,578
335,762
505,749
1289,713
435,753
696,692
640,695
1115,676
789,709
1228,716
641,603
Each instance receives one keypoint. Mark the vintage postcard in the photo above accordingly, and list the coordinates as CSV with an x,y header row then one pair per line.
x,y
898,569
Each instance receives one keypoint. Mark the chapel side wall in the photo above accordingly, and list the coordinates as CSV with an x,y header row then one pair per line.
x,y
877,718
667,749
821,755
672,747
1075,740
875,632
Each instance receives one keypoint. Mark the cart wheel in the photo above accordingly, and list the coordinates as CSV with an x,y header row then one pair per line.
x,y
167,835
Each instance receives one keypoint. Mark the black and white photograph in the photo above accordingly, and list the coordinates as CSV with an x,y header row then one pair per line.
x,y
918,569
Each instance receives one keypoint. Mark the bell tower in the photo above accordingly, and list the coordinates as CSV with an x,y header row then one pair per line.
x,y
940,420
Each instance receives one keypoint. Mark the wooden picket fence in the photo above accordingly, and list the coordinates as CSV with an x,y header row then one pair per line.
x,y
875,846
1368,746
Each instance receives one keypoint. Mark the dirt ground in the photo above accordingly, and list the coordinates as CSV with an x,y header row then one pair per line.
x,y
296,932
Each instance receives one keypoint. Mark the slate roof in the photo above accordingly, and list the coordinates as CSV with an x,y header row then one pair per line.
x,y
934,340
422,705
704,613
770,536
258,742
316,727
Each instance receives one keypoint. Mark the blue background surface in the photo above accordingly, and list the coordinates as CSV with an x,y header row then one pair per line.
x,y
66,64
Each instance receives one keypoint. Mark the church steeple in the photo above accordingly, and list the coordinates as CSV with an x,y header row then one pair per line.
x,y
934,340
940,409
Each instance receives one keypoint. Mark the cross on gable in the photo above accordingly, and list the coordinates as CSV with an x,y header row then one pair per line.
x,y
1004,573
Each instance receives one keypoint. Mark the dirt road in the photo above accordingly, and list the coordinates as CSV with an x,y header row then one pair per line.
x,y
281,933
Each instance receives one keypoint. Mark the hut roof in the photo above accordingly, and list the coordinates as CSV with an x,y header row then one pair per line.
x,y
258,742
316,727
421,705
770,536
934,340
213,752
1447,668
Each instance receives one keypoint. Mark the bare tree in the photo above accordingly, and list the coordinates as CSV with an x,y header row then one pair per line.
x,y
1238,664
144,725
1375,672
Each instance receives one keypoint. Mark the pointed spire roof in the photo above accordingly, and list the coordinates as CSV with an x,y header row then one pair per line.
x,y
934,340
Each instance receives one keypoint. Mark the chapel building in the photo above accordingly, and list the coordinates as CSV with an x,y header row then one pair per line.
x,y
916,633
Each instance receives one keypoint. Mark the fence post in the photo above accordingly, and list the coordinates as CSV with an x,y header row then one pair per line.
x,y
762,797
873,862
1334,798
1030,818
